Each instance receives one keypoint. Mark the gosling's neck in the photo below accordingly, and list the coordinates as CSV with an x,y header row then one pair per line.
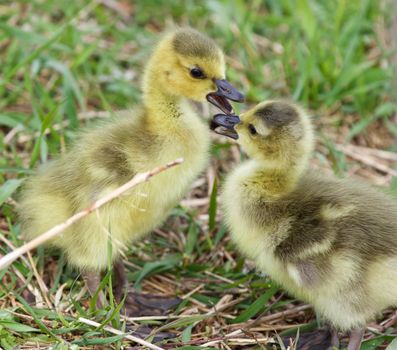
x,y
162,104
163,107
276,178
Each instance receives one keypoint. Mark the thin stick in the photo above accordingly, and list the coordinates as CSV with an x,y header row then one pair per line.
x,y
40,282
154,318
116,331
56,230
282,314
366,160
193,291
392,156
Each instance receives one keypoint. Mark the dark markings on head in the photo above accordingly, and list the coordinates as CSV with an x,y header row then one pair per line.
x,y
189,42
277,114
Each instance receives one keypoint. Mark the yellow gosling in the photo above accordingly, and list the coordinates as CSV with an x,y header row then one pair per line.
x,y
184,65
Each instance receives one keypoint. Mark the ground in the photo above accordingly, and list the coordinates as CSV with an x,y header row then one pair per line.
x,y
66,64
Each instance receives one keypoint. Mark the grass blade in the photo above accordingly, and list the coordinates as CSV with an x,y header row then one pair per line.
x,y
256,306
8,188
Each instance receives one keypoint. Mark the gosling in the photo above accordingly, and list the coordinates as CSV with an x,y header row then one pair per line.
x,y
184,65
328,241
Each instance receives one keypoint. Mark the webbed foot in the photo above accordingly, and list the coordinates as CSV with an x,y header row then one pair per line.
x,y
137,304
319,339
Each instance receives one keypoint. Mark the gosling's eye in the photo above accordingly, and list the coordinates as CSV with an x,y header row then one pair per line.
x,y
252,129
197,73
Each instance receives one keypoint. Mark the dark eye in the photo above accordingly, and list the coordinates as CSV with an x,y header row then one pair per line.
x,y
197,73
252,129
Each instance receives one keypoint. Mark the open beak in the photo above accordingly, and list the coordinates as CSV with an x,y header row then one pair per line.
x,y
225,92
224,125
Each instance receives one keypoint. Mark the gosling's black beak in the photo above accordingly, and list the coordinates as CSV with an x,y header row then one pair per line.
x,y
220,97
224,125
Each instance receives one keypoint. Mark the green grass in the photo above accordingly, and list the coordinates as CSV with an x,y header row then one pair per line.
x,y
61,59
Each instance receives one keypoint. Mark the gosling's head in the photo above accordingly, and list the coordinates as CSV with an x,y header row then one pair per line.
x,y
188,64
276,132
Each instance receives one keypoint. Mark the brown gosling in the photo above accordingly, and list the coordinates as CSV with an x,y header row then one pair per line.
x,y
330,242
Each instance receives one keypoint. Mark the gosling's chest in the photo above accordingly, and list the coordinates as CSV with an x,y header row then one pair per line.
x,y
187,139
255,240
258,243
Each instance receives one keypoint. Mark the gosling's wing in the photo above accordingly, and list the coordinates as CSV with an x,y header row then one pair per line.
x,y
340,228
308,248
310,271
108,157
97,159
309,231
330,214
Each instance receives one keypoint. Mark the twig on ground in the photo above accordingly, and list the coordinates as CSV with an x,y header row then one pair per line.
x,y
368,160
282,314
116,331
40,282
391,156
195,290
